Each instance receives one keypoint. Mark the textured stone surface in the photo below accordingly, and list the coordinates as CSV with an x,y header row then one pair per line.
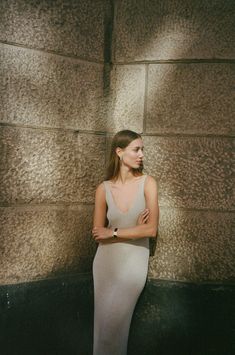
x,y
168,29
40,242
192,172
126,104
194,246
49,166
49,90
72,27
191,98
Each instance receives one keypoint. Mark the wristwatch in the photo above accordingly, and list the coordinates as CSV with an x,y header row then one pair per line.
x,y
115,233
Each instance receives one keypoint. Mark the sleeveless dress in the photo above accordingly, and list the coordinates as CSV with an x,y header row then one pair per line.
x,y
119,275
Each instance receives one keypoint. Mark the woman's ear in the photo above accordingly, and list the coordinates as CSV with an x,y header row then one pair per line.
x,y
118,151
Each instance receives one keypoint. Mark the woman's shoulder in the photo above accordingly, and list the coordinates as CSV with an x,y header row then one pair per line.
x,y
150,182
146,176
149,177
100,188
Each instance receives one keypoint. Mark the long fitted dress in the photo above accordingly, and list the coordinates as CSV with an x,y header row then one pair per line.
x,y
119,274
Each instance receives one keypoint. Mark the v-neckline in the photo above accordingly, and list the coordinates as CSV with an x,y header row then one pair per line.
x,y
133,202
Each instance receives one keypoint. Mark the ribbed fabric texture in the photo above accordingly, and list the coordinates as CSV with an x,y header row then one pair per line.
x,y
119,272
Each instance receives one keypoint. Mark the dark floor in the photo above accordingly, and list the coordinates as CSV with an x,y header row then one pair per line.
x,y
55,317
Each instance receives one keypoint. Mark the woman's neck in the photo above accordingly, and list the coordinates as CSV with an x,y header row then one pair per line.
x,y
125,177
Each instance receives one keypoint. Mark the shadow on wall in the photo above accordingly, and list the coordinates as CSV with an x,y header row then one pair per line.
x,y
48,172
165,30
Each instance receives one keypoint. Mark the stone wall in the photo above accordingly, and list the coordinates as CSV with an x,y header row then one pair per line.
x,y
73,73
175,66
171,78
52,134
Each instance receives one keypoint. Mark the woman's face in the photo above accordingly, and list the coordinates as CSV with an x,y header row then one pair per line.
x,y
132,155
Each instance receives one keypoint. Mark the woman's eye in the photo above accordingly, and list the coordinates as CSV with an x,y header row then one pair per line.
x,y
136,149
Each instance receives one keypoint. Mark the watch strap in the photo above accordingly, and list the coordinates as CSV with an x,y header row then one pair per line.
x,y
115,232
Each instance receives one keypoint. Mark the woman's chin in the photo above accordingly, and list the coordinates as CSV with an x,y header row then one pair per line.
x,y
137,166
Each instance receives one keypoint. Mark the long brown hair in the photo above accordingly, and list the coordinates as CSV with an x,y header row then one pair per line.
x,y
121,139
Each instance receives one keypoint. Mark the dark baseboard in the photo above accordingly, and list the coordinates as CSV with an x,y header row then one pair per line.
x,y
55,317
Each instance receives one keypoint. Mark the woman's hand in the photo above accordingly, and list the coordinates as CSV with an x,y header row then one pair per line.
x,y
102,233
143,216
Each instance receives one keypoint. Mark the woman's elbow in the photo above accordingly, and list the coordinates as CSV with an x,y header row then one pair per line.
x,y
153,232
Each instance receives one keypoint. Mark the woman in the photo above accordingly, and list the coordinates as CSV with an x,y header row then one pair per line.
x,y
128,201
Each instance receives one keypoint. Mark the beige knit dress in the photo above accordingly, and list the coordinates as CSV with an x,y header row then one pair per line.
x,y
119,274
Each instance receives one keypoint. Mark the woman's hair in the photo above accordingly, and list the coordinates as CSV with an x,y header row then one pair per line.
x,y
121,139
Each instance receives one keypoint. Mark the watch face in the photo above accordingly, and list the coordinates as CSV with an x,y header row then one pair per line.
x,y
115,232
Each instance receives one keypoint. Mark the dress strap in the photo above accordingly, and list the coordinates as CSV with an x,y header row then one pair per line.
x,y
143,183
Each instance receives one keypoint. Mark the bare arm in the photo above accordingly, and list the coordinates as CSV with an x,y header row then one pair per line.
x,y
148,229
99,218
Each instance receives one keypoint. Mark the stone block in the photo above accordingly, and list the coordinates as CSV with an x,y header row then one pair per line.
x,y
49,166
44,241
194,246
191,98
47,90
70,27
166,29
90,165
126,98
192,172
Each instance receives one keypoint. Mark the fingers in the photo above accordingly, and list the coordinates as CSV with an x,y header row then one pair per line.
x,y
143,216
94,232
98,233
145,219
145,212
